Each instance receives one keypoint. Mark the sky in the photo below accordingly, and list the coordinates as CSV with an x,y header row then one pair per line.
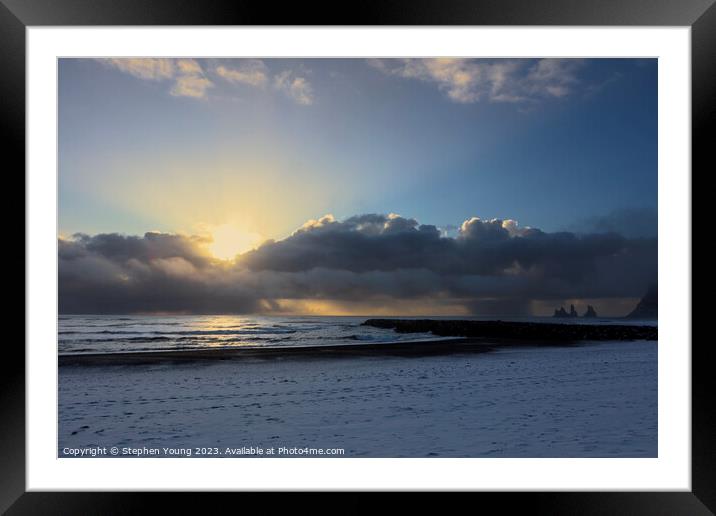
x,y
346,185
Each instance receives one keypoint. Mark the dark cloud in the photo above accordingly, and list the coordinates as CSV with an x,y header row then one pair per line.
x,y
389,243
111,273
629,222
489,267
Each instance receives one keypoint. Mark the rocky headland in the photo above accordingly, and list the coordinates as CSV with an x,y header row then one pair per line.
x,y
524,331
648,307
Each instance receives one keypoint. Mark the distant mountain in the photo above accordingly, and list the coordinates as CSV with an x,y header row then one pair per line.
x,y
648,307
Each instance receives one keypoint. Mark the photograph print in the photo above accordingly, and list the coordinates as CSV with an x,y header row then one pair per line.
x,y
345,258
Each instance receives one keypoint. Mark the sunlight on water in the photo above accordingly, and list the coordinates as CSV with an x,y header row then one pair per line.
x,y
111,334
114,333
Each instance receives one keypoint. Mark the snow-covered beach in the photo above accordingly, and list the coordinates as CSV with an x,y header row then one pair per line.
x,y
590,400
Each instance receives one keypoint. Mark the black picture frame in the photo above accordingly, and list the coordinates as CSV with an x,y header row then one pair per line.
x,y
16,15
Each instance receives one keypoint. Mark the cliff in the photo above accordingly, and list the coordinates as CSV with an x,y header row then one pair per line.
x,y
648,307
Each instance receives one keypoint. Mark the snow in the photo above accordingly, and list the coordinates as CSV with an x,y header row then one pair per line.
x,y
594,400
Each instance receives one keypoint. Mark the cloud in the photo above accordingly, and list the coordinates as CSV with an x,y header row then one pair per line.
x,y
187,75
191,86
296,88
111,273
475,80
630,222
251,71
377,260
391,242
188,67
189,79
144,68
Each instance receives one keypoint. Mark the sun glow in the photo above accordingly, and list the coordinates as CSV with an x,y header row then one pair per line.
x,y
229,240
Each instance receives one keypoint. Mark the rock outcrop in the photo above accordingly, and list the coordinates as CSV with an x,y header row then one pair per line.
x,y
560,313
648,307
545,333
591,312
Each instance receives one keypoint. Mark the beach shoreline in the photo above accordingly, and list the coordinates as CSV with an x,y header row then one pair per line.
x,y
411,348
422,348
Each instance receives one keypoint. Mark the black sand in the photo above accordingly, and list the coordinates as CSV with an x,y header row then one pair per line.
x,y
414,348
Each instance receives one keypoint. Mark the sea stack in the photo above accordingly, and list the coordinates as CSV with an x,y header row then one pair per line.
x,y
591,312
560,313
572,311
648,307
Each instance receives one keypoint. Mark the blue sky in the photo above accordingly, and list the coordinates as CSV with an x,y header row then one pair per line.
x,y
356,186
350,137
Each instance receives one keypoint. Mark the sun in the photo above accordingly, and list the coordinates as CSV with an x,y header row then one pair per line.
x,y
229,240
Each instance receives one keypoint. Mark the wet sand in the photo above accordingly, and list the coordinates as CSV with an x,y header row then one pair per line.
x,y
421,348
406,349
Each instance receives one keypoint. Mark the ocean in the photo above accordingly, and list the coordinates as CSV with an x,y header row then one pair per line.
x,y
121,333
